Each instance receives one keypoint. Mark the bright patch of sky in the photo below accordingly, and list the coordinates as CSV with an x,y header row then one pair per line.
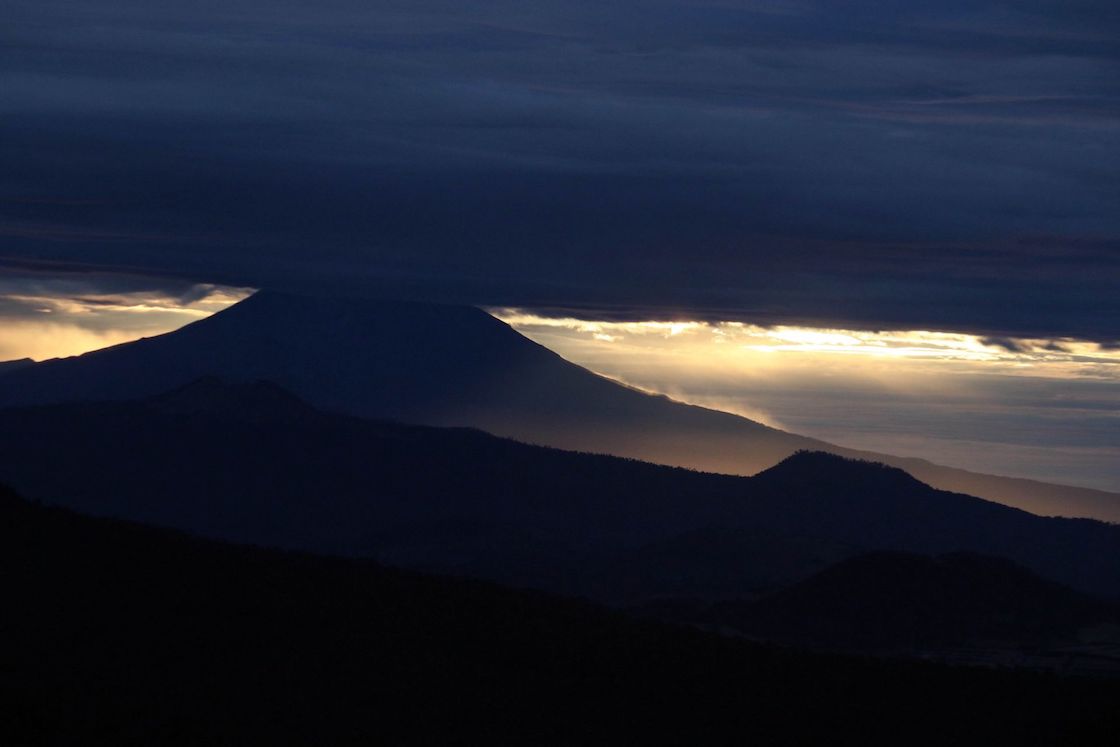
x,y
1044,409
50,324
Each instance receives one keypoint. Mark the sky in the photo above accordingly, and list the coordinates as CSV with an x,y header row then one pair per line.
x,y
1026,408
47,315
868,165
887,164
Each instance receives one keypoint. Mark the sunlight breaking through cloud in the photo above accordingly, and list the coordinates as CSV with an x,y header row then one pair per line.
x,y
735,340
1042,408
42,323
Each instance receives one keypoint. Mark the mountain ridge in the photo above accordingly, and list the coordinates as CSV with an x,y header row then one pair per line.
x,y
389,360
292,476
806,467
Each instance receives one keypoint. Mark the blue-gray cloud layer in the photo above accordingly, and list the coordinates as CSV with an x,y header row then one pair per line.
x,y
890,163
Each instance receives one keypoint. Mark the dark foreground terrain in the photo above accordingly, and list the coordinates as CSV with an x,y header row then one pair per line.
x,y
118,634
956,607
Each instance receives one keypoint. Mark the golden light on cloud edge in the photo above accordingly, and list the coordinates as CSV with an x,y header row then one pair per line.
x,y
1037,408
728,343
58,326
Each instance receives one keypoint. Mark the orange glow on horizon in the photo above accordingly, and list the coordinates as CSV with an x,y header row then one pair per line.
x,y
65,326
735,345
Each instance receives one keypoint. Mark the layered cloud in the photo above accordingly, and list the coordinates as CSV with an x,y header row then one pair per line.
x,y
864,164
56,315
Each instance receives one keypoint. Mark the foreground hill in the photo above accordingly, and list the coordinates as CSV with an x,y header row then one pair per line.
x,y
116,634
457,366
252,463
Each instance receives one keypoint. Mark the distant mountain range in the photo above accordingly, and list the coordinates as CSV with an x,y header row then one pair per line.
x,y
457,366
253,463
118,634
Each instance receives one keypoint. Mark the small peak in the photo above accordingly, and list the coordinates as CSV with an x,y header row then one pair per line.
x,y
803,467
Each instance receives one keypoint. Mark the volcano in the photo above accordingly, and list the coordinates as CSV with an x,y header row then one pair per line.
x,y
458,366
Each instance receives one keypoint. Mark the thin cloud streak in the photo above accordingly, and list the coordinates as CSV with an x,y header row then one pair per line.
x,y
1063,358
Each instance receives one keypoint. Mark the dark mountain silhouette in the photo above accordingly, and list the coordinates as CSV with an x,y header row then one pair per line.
x,y
117,634
457,366
251,463
891,601
8,366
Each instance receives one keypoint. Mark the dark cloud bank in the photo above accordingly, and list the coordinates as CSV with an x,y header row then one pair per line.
x,y
875,164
